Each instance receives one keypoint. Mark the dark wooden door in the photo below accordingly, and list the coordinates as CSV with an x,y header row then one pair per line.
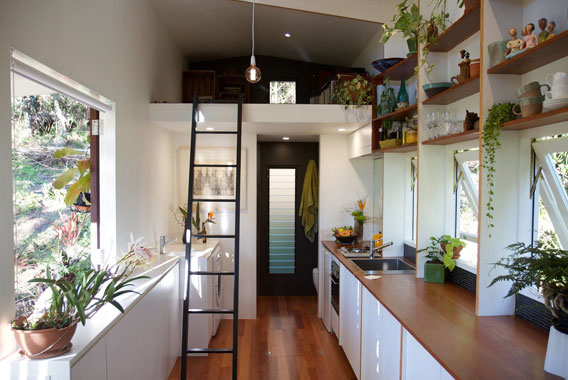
x,y
285,256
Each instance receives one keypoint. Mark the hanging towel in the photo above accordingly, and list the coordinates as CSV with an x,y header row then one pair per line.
x,y
309,203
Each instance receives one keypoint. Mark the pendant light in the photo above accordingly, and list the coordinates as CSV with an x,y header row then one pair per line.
x,y
253,73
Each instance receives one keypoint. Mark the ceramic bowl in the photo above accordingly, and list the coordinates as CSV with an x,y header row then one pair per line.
x,y
385,63
432,89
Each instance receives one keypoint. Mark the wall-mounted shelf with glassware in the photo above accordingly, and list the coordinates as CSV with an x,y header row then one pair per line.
x,y
399,114
533,58
453,94
459,31
538,120
397,149
455,138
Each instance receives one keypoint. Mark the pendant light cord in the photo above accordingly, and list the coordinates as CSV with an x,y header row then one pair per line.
x,y
253,27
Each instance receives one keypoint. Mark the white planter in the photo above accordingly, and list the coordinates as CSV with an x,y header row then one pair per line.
x,y
556,361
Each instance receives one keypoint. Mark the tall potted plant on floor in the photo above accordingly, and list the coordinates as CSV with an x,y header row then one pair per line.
x,y
545,268
441,254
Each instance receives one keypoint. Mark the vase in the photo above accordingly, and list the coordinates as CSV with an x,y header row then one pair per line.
x,y
47,343
359,231
203,232
412,44
556,361
434,272
402,93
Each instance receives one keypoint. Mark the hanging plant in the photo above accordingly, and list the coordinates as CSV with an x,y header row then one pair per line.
x,y
498,114
355,92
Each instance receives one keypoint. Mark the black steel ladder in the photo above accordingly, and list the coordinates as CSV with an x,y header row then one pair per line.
x,y
235,273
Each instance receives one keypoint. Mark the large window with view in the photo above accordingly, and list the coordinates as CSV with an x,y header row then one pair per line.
x,y
549,192
52,156
466,190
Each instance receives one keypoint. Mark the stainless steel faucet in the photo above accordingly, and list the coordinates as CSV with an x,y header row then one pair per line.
x,y
378,249
163,244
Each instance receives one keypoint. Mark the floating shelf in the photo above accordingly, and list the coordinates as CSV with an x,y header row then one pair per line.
x,y
455,93
459,31
397,72
537,120
538,56
399,114
452,139
397,149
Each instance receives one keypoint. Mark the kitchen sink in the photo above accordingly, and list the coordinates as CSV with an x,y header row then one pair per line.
x,y
383,266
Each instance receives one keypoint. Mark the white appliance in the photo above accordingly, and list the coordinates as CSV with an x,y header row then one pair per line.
x,y
217,290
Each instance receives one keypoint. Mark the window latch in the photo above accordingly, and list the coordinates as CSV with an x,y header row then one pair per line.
x,y
97,127
535,182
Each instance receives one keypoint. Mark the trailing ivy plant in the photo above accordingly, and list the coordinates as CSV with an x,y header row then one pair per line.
x,y
498,114
355,92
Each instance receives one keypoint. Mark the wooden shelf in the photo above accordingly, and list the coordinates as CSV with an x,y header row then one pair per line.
x,y
459,31
397,72
452,139
537,120
540,55
455,93
397,149
399,114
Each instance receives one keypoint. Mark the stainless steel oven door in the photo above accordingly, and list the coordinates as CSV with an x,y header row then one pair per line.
x,y
335,286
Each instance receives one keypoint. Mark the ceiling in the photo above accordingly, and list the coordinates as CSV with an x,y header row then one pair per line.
x,y
215,29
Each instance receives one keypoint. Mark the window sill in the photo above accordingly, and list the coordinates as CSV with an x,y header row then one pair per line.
x,y
466,265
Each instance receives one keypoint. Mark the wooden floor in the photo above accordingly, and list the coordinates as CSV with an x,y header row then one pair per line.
x,y
286,341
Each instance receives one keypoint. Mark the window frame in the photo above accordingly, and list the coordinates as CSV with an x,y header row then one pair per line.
x,y
464,178
283,81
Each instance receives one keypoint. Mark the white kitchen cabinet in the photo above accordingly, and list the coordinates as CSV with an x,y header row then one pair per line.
x,y
350,318
380,341
360,142
418,364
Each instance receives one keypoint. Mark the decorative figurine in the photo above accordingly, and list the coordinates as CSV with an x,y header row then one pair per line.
x,y
514,45
543,35
464,68
530,39
551,26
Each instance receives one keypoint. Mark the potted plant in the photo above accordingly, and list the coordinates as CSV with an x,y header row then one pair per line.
x,y
544,267
73,295
196,221
498,114
356,92
440,258
78,194
452,245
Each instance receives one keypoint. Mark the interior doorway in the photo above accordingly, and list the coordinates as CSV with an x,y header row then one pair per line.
x,y
285,256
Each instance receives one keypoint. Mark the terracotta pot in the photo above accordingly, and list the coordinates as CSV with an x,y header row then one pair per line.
x,y
37,344
474,68
457,250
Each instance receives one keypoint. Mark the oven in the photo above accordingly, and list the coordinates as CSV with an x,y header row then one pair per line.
x,y
335,286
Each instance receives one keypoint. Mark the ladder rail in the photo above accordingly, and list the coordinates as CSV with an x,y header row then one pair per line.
x,y
235,273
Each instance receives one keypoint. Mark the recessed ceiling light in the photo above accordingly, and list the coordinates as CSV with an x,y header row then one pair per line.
x,y
287,35
286,138
210,129
340,129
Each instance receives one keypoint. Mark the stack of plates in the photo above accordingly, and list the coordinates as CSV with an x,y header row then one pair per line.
x,y
554,104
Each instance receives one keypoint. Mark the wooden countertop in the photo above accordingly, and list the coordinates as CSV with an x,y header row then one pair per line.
x,y
442,318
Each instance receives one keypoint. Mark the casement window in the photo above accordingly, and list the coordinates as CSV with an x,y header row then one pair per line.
x,y
466,190
282,92
410,201
549,191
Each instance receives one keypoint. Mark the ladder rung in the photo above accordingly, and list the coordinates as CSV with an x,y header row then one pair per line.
x,y
214,200
210,351
210,311
200,236
216,132
214,166
205,273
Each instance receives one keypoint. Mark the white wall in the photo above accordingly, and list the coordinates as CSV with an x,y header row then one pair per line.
x,y
372,51
121,50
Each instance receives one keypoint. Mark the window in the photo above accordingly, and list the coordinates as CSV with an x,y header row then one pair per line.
x,y
282,92
549,192
410,201
466,191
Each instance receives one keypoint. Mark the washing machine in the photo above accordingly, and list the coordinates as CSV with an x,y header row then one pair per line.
x,y
217,290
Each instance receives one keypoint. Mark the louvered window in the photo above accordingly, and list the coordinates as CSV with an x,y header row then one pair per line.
x,y
282,219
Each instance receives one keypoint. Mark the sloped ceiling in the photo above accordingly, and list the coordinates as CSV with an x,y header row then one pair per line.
x,y
216,29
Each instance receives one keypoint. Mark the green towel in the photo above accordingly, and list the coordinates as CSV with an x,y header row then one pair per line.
x,y
309,204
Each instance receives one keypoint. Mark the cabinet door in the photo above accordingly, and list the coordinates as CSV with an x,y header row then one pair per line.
x,y
418,364
350,318
380,341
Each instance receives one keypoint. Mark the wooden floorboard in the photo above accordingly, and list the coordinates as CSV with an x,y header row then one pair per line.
x,y
286,341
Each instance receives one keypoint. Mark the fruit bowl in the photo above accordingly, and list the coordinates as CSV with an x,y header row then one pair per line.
x,y
345,235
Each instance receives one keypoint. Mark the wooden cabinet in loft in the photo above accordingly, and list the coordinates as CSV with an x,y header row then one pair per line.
x,y
200,82
231,86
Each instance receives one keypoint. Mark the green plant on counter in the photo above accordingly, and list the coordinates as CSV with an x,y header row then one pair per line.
x,y
498,114
436,254
545,268
356,92
416,28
